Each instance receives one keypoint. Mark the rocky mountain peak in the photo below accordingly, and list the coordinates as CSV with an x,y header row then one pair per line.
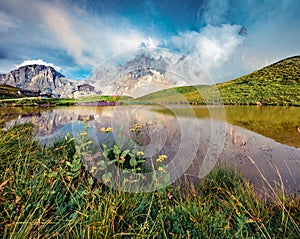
x,y
243,31
39,77
145,61
145,71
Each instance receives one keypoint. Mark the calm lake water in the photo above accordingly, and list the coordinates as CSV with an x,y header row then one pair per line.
x,y
256,140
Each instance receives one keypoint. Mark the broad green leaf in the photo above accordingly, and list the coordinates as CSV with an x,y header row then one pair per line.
x,y
90,180
112,161
133,162
124,154
116,150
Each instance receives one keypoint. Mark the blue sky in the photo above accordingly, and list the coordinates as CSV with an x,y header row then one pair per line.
x,y
77,36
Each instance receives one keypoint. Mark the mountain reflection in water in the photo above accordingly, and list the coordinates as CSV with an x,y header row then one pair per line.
x,y
252,153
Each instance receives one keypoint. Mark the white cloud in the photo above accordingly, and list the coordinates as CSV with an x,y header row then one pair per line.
x,y
212,46
275,38
272,28
38,62
49,29
89,39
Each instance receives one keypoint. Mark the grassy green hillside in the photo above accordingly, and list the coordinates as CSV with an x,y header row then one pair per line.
x,y
277,84
8,92
182,94
38,101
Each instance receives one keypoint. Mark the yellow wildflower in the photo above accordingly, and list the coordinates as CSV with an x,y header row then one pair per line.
x,y
161,169
132,130
137,126
85,119
93,169
106,130
102,130
140,153
109,129
161,158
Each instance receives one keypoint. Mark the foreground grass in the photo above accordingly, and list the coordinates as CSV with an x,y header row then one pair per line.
x,y
38,200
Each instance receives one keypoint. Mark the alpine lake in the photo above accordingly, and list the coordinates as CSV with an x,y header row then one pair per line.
x,y
261,142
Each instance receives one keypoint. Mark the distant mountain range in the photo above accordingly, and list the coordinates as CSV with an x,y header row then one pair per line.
x,y
148,72
138,74
39,78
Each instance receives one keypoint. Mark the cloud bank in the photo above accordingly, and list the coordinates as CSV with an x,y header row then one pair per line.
x,y
86,39
212,46
89,39
80,35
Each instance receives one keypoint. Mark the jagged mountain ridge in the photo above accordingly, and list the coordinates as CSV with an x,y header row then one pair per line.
x,y
144,61
39,77
145,72
141,73
138,74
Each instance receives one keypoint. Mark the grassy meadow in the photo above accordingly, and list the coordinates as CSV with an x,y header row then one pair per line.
x,y
45,102
8,92
47,192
